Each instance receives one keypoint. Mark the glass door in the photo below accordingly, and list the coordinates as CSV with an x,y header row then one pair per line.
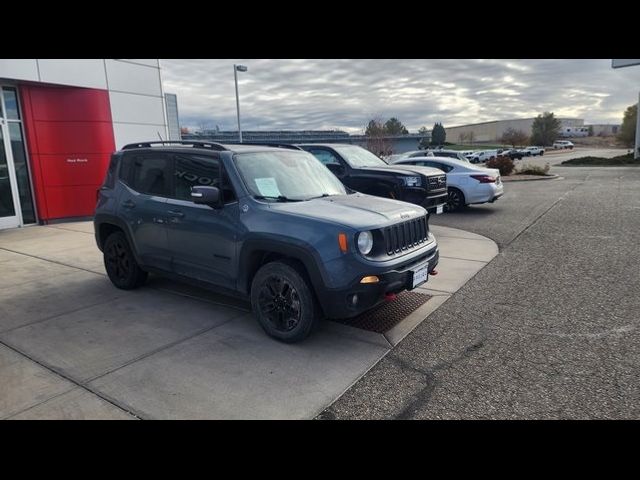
x,y
16,201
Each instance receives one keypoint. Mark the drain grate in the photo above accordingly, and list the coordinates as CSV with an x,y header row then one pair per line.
x,y
387,315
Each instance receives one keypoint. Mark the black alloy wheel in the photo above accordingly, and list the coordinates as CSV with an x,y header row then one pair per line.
x,y
122,268
283,302
279,303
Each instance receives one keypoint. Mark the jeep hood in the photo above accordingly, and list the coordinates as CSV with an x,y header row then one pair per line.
x,y
358,211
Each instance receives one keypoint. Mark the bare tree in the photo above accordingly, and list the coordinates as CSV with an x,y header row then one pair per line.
x,y
514,137
377,139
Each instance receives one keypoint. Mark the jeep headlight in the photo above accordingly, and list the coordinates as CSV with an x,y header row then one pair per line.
x,y
411,181
365,242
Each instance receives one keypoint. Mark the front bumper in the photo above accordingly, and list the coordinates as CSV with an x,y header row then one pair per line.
x,y
427,199
339,303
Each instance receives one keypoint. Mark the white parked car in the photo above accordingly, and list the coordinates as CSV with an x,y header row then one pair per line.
x,y
467,184
482,156
533,151
563,144
429,153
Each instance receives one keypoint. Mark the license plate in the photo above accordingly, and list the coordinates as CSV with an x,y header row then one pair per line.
x,y
420,275
439,209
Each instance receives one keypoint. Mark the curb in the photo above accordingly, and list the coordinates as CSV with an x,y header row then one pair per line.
x,y
545,177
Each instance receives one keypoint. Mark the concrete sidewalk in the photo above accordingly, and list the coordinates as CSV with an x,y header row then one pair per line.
x,y
73,346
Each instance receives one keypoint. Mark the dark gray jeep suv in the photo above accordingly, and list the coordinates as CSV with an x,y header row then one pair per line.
x,y
272,225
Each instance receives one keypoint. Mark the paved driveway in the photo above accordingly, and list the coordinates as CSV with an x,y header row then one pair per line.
x,y
548,330
73,346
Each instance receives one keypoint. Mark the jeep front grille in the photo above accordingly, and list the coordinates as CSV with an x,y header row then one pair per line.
x,y
405,236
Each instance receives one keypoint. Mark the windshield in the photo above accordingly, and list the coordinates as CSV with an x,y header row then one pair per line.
x,y
358,157
287,175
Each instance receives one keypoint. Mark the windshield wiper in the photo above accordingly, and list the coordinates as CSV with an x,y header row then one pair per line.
x,y
279,198
319,196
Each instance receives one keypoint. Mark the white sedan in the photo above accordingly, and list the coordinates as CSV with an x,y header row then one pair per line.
x,y
468,184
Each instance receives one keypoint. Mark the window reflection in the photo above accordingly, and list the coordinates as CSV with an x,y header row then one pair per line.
x,y
11,103
22,172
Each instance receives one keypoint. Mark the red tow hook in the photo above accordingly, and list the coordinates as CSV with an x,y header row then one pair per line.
x,y
433,272
390,297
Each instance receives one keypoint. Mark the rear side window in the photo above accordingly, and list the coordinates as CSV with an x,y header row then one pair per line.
x,y
151,174
443,167
110,179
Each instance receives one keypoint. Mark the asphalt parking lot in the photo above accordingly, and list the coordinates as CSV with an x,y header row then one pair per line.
x,y
72,346
548,330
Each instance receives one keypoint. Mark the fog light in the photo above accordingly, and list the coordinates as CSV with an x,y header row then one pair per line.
x,y
354,299
370,279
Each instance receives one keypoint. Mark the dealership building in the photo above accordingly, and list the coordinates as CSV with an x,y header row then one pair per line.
x,y
491,132
61,119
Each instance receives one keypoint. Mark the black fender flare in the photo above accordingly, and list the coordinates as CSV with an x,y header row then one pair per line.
x,y
107,219
298,250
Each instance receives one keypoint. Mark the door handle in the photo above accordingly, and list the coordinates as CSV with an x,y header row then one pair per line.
x,y
128,204
176,213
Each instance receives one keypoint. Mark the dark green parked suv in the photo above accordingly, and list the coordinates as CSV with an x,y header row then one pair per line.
x,y
269,224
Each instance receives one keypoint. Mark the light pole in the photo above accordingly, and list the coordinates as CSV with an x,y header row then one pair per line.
x,y
236,69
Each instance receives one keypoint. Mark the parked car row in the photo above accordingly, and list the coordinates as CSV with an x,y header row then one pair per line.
x,y
272,225
563,144
467,184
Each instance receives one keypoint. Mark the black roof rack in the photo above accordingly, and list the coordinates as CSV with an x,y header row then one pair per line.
x,y
210,145
267,144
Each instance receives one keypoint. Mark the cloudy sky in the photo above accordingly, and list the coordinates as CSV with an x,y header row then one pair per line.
x,y
345,94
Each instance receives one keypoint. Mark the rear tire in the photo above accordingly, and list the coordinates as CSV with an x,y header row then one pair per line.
x,y
120,263
455,201
283,303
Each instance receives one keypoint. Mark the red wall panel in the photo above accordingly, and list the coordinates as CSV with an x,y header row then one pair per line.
x,y
79,200
70,138
74,137
70,104
68,170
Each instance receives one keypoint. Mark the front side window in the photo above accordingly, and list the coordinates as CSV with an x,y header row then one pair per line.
x,y
151,174
291,175
193,170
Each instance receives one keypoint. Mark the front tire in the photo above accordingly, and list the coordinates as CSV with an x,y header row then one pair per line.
x,y
120,263
283,302
455,201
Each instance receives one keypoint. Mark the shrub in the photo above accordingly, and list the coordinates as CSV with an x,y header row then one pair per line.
x,y
504,164
619,160
533,170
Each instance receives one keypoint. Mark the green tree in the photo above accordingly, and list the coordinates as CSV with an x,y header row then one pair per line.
x,y
627,133
375,128
514,137
438,134
545,129
591,130
393,126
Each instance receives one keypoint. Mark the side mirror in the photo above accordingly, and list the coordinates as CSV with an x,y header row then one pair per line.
x,y
337,169
206,196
